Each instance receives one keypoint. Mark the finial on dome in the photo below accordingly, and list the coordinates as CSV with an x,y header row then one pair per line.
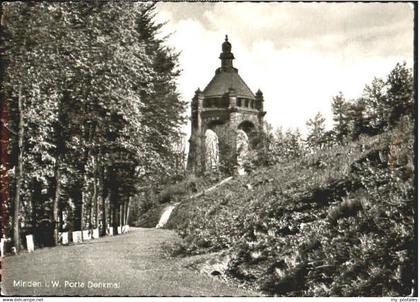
x,y
226,56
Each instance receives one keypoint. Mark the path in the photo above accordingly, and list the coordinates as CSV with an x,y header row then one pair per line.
x,y
133,263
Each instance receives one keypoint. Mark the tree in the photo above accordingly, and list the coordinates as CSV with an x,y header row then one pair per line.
x,y
359,122
316,127
99,105
263,148
400,94
340,109
163,111
293,144
375,98
383,103
32,104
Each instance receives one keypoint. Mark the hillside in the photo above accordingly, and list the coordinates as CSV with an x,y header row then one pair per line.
x,y
340,222
150,210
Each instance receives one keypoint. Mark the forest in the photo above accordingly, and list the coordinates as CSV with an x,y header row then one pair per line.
x,y
90,115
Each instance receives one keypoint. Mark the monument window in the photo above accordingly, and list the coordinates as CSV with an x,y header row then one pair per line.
x,y
238,102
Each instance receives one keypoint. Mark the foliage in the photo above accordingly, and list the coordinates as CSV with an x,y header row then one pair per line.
x,y
338,221
316,127
149,205
340,117
324,225
99,106
383,103
273,147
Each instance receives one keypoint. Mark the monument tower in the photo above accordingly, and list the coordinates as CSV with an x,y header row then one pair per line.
x,y
225,116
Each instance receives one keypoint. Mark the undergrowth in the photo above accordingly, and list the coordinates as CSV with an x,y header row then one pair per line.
x,y
340,222
152,208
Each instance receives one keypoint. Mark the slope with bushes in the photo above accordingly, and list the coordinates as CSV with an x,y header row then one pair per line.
x,y
149,210
338,222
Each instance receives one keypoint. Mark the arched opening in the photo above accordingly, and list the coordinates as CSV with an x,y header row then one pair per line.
x,y
212,150
224,135
247,126
215,125
251,132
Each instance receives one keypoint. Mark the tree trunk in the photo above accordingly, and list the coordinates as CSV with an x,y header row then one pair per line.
x,y
111,215
112,218
105,201
121,213
4,133
56,201
82,208
88,136
60,217
104,214
127,210
4,161
97,207
19,175
114,221
90,221
95,193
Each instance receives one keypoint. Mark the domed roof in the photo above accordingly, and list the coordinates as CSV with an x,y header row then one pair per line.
x,y
227,77
223,80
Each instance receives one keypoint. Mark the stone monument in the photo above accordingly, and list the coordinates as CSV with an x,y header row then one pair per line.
x,y
225,106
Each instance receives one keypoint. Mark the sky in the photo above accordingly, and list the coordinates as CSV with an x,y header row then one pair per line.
x,y
299,54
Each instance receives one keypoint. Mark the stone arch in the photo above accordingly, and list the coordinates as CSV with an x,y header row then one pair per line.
x,y
251,131
213,125
226,139
247,126
242,149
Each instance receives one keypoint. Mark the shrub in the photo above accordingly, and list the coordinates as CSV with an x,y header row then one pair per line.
x,y
337,222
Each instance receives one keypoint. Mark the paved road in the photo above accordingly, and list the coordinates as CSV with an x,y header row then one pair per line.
x,y
131,264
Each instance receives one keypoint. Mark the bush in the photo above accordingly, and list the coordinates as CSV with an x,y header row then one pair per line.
x,y
149,209
339,222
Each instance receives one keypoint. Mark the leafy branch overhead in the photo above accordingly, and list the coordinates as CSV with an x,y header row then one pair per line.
x,y
98,104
